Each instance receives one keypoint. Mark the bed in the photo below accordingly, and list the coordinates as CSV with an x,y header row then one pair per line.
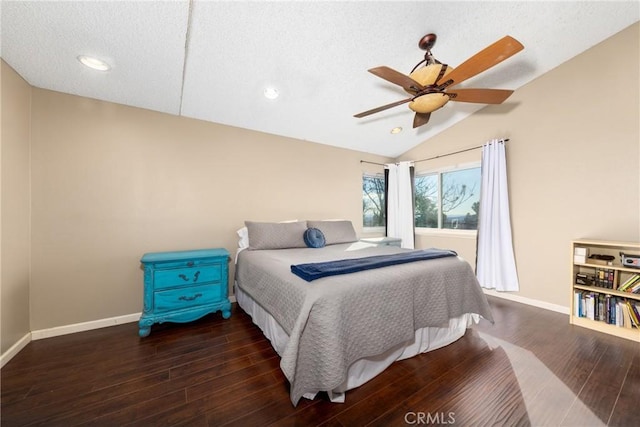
x,y
336,333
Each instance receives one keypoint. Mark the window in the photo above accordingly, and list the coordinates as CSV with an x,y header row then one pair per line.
x,y
448,199
373,200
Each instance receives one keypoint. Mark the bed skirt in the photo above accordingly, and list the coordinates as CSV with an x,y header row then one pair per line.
x,y
363,370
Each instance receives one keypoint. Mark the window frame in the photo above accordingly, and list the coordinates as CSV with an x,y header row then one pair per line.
x,y
446,231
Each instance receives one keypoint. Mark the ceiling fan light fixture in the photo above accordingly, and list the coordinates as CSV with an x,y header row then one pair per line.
x,y
429,103
396,130
94,63
271,92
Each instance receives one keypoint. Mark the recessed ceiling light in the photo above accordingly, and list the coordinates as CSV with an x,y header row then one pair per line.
x,y
396,130
271,93
94,63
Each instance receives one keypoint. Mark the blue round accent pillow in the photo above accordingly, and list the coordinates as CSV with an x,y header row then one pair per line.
x,y
314,238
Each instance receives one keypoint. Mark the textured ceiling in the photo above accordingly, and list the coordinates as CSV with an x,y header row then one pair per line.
x,y
211,60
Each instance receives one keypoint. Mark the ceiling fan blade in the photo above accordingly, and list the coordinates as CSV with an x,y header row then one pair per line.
x,y
481,96
382,108
483,60
396,77
421,119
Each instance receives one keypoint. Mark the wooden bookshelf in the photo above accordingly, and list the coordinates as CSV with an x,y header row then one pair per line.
x,y
603,290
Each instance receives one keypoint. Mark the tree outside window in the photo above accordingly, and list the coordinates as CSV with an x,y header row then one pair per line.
x,y
426,201
373,201
448,200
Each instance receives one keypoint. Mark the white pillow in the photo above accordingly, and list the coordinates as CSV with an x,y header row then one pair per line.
x,y
243,233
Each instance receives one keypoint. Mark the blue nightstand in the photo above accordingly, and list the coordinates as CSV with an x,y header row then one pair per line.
x,y
183,286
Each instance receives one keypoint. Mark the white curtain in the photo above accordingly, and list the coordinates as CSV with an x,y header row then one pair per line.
x,y
496,266
400,203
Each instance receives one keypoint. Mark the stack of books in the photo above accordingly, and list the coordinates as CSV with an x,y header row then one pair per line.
x,y
605,277
632,284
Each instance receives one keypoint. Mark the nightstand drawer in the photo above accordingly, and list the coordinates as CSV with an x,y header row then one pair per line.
x,y
175,299
174,277
166,265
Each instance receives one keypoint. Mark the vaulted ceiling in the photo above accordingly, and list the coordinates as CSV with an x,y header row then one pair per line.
x,y
212,60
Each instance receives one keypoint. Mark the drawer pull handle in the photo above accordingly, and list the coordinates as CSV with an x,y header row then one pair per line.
x,y
184,298
186,279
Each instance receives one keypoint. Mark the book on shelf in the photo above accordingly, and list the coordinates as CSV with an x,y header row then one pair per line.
x,y
625,320
635,310
600,277
611,310
634,316
601,308
610,278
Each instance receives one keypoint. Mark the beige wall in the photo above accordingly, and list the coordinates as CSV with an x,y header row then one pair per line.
x,y
573,160
15,203
112,182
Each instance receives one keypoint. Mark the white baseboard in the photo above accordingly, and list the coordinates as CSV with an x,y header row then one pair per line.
x,y
14,349
84,326
529,301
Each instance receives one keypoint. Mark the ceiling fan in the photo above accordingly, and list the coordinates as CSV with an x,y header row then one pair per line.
x,y
430,85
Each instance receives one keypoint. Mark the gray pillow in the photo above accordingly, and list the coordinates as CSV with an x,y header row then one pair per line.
x,y
276,235
341,231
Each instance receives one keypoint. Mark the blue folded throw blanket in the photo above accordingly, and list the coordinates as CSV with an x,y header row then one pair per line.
x,y
316,270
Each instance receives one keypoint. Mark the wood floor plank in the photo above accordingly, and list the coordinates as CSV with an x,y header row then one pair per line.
x,y
217,398
592,406
239,412
213,385
625,412
133,414
65,397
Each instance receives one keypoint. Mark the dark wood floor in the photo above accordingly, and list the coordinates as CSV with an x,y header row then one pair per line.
x,y
530,368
